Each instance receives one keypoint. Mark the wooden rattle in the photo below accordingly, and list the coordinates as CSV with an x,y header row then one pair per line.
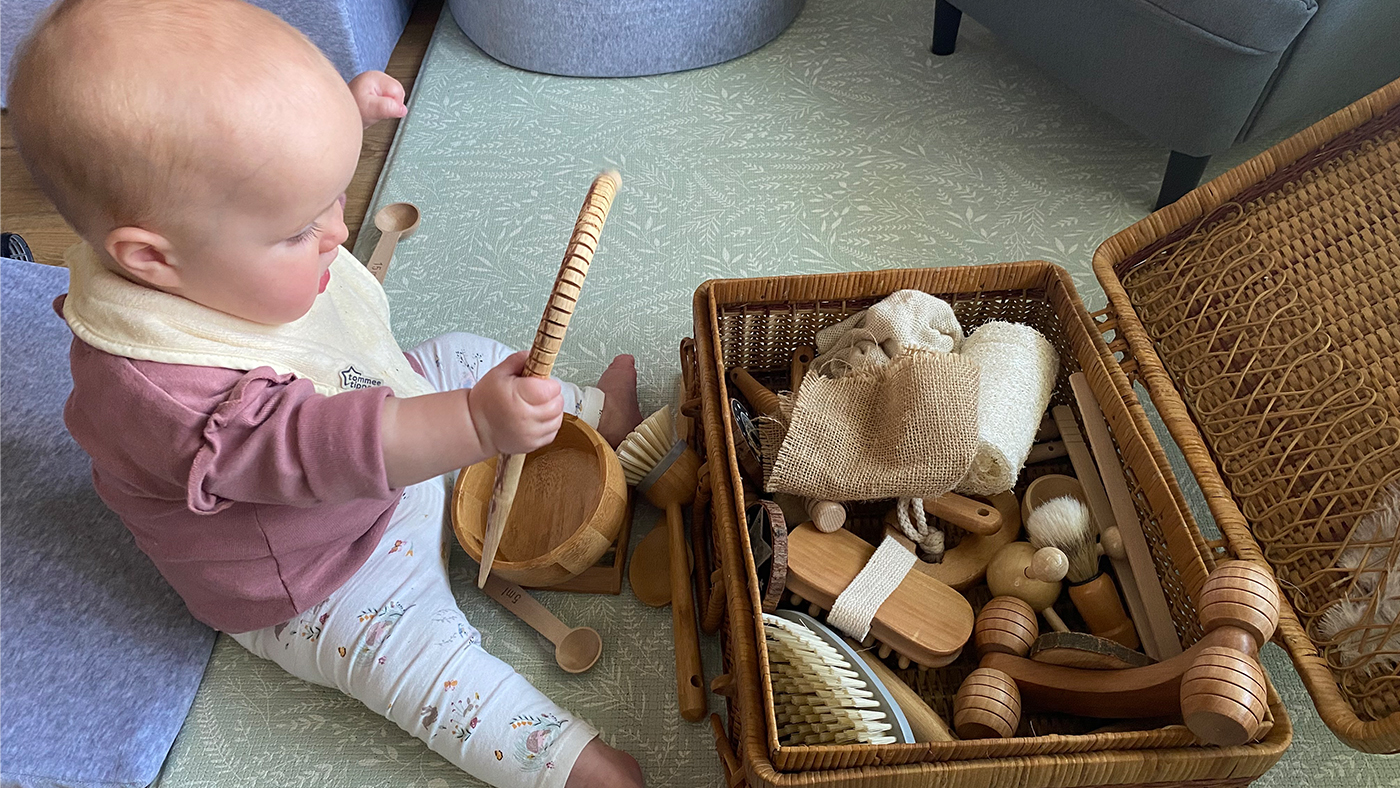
x,y
1033,576
1216,686
548,337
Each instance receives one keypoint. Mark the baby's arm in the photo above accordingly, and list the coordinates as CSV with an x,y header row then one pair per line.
x,y
504,413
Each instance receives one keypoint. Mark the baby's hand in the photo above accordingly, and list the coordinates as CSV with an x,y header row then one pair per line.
x,y
379,97
515,414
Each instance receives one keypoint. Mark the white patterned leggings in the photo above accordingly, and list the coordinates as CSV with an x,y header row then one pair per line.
x,y
393,637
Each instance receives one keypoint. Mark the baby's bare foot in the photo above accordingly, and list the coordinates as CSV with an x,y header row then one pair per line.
x,y
621,414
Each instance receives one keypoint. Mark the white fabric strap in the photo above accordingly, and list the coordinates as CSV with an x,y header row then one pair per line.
x,y
856,606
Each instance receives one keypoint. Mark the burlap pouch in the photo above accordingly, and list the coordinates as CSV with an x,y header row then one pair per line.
x,y
903,429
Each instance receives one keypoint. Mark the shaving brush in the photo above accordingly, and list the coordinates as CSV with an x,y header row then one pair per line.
x,y
664,468
1064,523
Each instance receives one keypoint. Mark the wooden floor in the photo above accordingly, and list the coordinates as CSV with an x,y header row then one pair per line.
x,y
25,210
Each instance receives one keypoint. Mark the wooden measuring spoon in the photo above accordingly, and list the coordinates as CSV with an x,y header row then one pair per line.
x,y
394,221
575,649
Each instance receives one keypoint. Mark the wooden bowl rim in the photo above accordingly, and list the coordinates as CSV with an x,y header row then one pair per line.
x,y
606,456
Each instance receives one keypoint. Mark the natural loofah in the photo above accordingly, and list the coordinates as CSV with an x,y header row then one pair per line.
x,y
1019,368
905,320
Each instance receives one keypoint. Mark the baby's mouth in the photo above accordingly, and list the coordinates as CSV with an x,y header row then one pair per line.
x,y
325,280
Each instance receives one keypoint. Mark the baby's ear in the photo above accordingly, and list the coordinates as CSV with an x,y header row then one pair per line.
x,y
144,255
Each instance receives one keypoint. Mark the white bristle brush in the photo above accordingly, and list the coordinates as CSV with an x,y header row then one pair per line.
x,y
1064,523
820,696
645,447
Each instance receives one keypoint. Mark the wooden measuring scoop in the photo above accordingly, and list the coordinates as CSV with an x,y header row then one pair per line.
x,y
576,649
394,221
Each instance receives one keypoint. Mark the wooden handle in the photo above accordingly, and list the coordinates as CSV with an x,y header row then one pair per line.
x,y
382,254
577,257
1045,452
759,396
797,369
527,609
1101,513
923,721
970,515
548,337
508,470
1097,601
1149,587
690,680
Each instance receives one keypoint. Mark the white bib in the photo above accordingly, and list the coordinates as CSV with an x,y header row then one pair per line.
x,y
342,343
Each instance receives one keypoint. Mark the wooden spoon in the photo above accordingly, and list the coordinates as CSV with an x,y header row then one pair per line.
x,y
394,221
576,649
649,570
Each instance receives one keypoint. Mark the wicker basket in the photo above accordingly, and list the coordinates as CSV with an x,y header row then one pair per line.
x,y
1262,314
757,323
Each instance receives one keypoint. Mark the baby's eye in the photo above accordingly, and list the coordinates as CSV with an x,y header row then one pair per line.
x,y
305,235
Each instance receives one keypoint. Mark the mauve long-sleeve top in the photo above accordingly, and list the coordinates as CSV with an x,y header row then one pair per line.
x,y
255,496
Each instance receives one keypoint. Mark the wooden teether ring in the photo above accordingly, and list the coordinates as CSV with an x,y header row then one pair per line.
x,y
563,298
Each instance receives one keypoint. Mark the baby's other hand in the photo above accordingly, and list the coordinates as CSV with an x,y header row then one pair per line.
x,y
379,97
515,414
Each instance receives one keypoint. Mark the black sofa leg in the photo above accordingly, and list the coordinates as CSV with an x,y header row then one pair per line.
x,y
1183,174
945,27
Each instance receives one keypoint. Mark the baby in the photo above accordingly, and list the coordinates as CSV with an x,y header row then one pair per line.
x,y
235,381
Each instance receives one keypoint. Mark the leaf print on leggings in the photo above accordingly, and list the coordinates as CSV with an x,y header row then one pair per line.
x,y
534,735
384,619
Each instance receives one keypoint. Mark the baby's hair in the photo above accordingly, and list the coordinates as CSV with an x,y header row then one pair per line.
x,y
115,104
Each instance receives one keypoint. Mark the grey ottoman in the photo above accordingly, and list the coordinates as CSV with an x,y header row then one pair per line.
x,y
620,38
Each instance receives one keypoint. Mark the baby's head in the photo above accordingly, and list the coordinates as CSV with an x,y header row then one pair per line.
x,y
202,147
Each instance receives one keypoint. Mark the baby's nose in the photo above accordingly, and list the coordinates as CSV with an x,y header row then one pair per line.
x,y
336,234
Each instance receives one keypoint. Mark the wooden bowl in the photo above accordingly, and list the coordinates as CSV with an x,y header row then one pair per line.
x,y
1051,485
567,512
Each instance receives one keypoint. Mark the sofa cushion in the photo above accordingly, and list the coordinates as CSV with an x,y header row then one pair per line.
x,y
101,658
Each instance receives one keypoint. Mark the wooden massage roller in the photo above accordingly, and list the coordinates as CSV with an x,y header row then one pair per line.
x,y
548,337
1216,686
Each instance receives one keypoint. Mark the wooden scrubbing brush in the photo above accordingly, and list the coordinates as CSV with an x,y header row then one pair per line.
x,y
664,469
1064,523
822,693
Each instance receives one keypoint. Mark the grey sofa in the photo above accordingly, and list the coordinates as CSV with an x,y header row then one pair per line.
x,y
1197,76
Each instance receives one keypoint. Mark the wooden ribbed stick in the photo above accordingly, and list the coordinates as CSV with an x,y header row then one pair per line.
x,y
548,337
